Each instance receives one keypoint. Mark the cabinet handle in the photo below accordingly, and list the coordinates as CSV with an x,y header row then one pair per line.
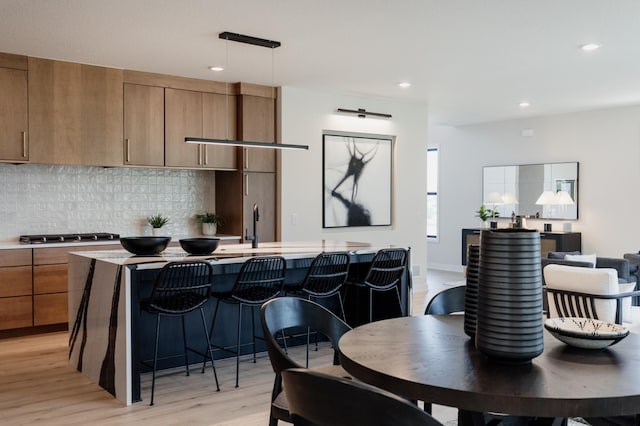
x,y
246,185
24,144
206,155
246,158
128,150
199,155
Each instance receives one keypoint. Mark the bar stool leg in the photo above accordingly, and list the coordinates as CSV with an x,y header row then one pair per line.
x,y
184,345
370,305
399,301
253,331
155,358
238,342
209,349
210,335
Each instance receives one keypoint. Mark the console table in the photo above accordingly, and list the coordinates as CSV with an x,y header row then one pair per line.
x,y
549,241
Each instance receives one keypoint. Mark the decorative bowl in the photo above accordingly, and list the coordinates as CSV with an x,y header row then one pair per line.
x,y
586,333
199,246
145,246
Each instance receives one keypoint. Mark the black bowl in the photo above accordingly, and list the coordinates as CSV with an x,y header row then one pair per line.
x,y
199,245
145,246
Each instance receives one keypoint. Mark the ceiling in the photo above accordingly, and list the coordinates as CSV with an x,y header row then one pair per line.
x,y
471,61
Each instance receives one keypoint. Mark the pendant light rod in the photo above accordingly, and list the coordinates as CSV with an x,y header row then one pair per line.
x,y
241,38
362,113
249,144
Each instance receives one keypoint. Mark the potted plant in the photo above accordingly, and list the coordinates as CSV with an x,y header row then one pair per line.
x,y
484,213
157,221
210,222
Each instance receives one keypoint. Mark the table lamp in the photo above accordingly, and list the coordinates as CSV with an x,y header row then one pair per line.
x,y
547,198
564,199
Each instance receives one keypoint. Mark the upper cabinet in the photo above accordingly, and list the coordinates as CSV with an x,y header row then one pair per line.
x,y
197,114
75,113
14,139
143,125
256,123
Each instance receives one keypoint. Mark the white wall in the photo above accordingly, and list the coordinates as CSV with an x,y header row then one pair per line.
x,y
305,114
606,143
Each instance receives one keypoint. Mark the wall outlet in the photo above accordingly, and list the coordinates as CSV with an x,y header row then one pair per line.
x,y
416,271
294,218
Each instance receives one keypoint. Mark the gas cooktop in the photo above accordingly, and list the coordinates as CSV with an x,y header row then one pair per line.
x,y
68,238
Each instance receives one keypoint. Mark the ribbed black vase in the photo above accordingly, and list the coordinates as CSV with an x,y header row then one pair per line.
x,y
509,311
471,290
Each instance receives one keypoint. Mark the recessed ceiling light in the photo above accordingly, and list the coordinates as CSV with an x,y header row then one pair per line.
x,y
590,47
404,84
524,104
216,68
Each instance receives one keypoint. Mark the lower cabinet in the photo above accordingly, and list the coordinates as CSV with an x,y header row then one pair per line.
x,y
33,285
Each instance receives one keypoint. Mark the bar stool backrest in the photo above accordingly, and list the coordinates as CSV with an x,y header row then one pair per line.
x,y
320,399
259,279
327,273
181,287
387,268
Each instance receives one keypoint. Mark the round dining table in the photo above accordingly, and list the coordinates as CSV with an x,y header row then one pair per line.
x,y
430,358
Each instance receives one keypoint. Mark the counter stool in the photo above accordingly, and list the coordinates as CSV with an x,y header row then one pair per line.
x,y
260,279
386,271
180,288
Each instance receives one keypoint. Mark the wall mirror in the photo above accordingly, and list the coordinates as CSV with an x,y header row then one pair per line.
x,y
549,191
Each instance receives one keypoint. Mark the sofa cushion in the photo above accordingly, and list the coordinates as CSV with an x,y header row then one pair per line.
x,y
588,280
590,258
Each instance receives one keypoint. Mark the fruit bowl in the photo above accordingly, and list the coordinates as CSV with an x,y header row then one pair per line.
x,y
145,246
199,246
586,333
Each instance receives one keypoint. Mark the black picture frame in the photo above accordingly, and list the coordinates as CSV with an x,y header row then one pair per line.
x,y
357,180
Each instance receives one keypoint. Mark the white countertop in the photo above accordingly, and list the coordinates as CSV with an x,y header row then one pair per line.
x,y
232,253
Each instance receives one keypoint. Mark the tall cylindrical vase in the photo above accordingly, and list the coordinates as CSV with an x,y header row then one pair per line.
x,y
509,324
471,290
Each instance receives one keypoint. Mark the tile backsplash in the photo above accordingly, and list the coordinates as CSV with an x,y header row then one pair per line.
x,y
48,199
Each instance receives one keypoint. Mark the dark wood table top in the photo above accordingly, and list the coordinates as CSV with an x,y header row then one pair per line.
x,y
430,358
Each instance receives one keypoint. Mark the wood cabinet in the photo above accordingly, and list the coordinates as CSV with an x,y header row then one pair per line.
x,y
198,114
256,123
143,125
14,137
260,189
75,113
15,289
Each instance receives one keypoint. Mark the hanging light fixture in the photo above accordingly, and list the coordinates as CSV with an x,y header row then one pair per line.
x,y
228,142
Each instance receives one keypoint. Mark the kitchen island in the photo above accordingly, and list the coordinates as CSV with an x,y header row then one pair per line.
x,y
108,335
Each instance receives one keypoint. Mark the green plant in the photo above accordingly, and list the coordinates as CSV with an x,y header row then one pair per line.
x,y
157,220
208,217
484,213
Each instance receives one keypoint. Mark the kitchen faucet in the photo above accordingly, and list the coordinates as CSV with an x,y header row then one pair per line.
x,y
254,238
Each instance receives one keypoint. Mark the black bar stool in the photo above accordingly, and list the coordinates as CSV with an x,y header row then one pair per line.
x,y
384,274
180,288
260,279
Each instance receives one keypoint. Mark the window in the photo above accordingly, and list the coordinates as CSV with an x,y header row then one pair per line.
x,y
432,194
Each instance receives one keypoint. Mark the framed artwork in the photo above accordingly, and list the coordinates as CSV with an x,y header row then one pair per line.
x,y
566,185
357,180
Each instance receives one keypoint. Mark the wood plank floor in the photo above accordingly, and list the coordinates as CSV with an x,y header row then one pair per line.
x,y
37,385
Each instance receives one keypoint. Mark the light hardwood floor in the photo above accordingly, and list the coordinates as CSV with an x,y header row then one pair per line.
x,y
37,385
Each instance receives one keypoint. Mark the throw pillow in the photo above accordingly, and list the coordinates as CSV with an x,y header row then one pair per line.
x,y
590,258
560,254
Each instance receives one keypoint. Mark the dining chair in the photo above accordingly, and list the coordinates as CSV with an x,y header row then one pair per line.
x,y
587,292
180,288
385,273
284,313
447,301
321,399
259,280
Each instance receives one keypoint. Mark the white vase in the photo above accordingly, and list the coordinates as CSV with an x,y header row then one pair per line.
x,y
209,229
156,232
